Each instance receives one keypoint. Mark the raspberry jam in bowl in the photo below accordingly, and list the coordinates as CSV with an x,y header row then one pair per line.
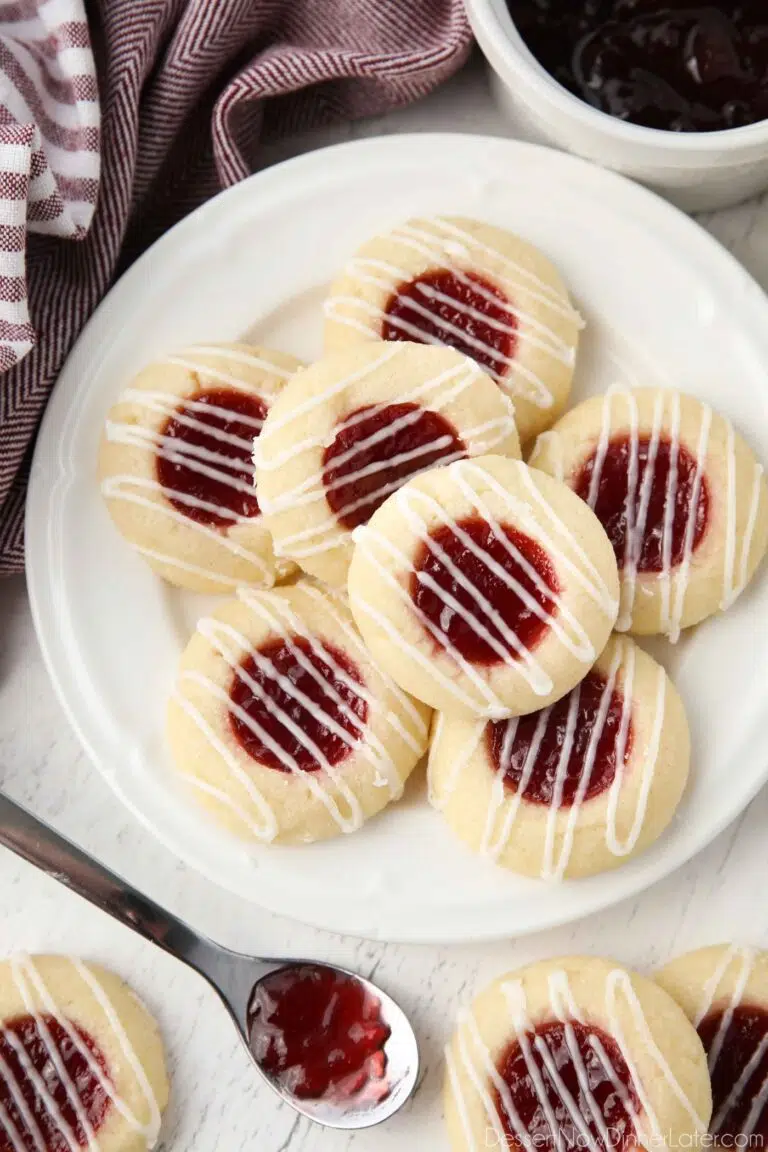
x,y
669,92
672,64
332,1043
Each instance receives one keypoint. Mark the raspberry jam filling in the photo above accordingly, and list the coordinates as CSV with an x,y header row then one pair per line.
x,y
376,450
36,1100
205,465
293,700
586,721
462,311
635,520
738,1065
586,1068
319,1034
678,65
511,574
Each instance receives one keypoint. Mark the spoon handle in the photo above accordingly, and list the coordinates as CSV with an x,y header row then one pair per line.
x,y
39,844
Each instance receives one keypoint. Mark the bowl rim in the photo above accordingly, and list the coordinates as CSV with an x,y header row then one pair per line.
x,y
505,48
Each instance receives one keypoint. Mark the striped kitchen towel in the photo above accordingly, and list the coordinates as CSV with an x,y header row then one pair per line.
x,y
115,125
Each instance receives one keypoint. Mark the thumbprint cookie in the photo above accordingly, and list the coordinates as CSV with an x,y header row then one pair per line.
x,y
723,991
351,429
81,1060
484,588
576,1052
282,724
576,788
679,493
176,465
471,286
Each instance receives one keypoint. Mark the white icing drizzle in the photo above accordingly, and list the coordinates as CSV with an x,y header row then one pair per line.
x,y
269,828
758,1104
238,356
312,403
331,782
450,247
39,1003
497,833
620,982
10,1128
668,518
465,1033
473,1058
674,579
433,395
219,466
566,1011
744,959
649,762
453,379
129,488
458,1095
561,545
681,575
733,584
336,605
518,1011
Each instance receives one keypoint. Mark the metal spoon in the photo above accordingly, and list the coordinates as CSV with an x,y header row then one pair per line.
x,y
232,975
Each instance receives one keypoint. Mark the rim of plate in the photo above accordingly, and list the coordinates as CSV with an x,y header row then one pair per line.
x,y
46,489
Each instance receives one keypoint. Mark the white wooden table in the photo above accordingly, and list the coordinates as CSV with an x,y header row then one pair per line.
x,y
217,1102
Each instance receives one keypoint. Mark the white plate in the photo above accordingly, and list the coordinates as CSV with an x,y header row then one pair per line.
x,y
663,302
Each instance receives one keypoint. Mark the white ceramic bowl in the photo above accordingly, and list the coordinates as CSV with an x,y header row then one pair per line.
x,y
697,170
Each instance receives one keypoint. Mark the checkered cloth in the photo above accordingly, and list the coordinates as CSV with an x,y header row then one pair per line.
x,y
98,159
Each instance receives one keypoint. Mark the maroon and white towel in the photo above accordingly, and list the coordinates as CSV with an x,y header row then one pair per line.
x,y
115,125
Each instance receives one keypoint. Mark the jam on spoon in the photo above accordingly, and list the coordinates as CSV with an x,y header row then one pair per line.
x,y
378,1051
319,1034
670,64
